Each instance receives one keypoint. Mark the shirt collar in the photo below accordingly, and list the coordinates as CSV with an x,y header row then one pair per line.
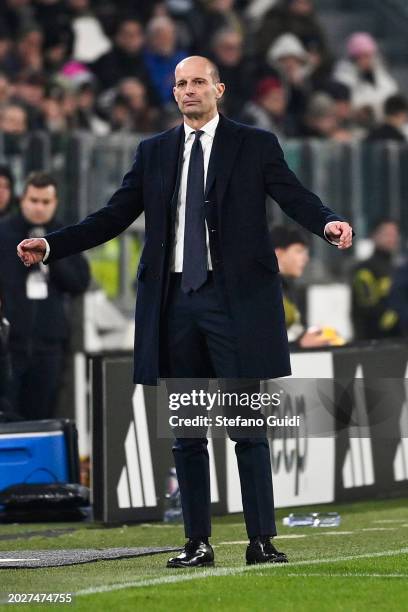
x,y
209,128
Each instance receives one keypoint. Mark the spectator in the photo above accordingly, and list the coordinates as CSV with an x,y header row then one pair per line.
x,y
125,59
143,118
120,115
399,296
235,71
268,109
321,120
90,41
162,56
5,47
70,105
6,190
38,334
13,119
297,17
341,96
215,15
54,117
365,73
29,90
58,46
15,15
28,54
288,56
52,16
292,251
6,89
396,117
371,314
188,18
88,118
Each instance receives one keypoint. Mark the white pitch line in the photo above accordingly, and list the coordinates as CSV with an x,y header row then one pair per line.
x,y
291,536
349,575
333,533
379,528
230,571
390,521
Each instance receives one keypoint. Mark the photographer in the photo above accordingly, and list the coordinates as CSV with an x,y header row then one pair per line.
x,y
35,302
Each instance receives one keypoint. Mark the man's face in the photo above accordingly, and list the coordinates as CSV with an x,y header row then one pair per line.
x,y
162,39
130,37
325,125
14,120
293,259
365,61
195,91
301,7
228,50
135,93
343,109
275,101
38,204
387,237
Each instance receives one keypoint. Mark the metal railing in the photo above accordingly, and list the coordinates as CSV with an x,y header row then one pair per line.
x,y
362,181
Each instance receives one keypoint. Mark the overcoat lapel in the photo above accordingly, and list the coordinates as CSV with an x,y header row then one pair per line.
x,y
171,156
228,138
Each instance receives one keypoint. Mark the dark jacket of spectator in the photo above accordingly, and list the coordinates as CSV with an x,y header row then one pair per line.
x,y
399,296
117,65
236,71
6,190
281,19
396,117
35,322
5,364
372,314
386,132
268,109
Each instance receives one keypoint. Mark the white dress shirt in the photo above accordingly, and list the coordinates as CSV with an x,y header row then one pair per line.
x,y
176,263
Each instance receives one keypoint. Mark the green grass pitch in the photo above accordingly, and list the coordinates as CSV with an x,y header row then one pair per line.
x,y
361,565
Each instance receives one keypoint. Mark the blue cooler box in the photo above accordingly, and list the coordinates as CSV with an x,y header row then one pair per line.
x,y
38,452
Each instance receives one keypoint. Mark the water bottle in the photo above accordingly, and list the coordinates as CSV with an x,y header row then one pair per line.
x,y
312,519
172,500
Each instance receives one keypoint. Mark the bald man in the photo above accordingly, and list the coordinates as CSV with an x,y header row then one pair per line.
x,y
209,301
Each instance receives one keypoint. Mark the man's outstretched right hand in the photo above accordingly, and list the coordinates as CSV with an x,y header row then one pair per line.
x,y
31,251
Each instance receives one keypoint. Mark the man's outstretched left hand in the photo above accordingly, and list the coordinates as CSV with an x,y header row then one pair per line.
x,y
339,233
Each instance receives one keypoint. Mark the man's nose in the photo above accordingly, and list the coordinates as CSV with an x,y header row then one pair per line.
x,y
190,89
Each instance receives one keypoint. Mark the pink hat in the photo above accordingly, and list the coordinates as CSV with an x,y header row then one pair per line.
x,y
360,43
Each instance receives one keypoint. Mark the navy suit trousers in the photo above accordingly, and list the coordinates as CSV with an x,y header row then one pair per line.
x,y
199,343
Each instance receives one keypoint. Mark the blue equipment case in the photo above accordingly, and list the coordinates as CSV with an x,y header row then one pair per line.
x,y
40,452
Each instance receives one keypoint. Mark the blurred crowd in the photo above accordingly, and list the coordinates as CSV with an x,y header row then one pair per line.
x,y
107,66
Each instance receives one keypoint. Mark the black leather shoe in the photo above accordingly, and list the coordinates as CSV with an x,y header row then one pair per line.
x,y
195,554
261,550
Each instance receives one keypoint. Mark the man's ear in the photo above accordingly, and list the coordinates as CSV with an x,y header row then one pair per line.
x,y
220,87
